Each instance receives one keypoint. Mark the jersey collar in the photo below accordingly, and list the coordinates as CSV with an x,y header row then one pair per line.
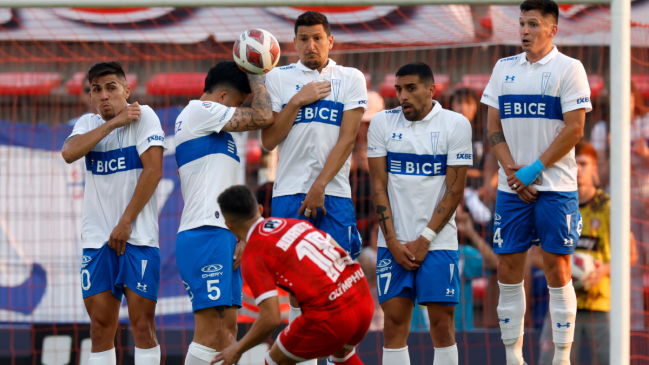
x,y
543,60
252,228
300,66
436,108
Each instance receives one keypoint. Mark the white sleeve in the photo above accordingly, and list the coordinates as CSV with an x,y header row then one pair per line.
x,y
149,131
460,148
493,90
273,86
575,91
376,144
82,126
357,92
206,117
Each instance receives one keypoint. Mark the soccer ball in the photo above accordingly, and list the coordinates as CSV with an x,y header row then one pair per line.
x,y
256,51
581,266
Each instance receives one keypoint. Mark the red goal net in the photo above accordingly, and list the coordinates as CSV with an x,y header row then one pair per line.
x,y
45,53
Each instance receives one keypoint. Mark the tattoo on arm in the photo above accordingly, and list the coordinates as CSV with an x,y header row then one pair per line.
x,y
496,138
255,117
380,210
449,193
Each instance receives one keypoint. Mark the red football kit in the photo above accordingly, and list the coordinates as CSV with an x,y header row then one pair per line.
x,y
334,296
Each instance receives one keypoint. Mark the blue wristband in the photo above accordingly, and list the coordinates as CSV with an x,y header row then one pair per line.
x,y
529,173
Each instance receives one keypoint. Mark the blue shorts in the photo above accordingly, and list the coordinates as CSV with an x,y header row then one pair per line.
x,y
340,221
554,219
138,268
436,281
204,259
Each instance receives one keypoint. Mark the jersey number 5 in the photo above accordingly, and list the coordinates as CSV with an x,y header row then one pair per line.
x,y
322,253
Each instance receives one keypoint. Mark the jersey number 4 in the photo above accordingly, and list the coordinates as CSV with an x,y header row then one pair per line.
x,y
318,249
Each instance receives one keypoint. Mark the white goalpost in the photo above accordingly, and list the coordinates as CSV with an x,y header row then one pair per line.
x,y
620,75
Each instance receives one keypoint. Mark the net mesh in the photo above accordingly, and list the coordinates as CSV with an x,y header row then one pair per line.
x,y
166,52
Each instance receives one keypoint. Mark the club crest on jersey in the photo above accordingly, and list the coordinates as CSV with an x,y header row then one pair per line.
x,y
434,138
335,87
544,83
206,104
271,226
509,79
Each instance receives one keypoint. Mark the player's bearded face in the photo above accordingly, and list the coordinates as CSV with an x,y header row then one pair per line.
x,y
536,31
108,94
313,45
415,97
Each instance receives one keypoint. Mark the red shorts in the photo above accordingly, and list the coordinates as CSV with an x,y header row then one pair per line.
x,y
306,339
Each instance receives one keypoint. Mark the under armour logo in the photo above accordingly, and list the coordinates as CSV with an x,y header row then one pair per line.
x,y
141,286
567,242
506,320
450,291
509,78
397,136
567,325
297,87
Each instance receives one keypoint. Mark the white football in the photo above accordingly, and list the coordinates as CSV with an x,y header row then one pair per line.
x,y
256,51
582,265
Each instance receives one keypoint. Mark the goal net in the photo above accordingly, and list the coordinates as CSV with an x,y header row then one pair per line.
x,y
166,52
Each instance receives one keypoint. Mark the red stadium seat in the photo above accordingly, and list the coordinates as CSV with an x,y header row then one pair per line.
x,y
176,84
74,84
253,150
386,88
596,83
29,83
641,82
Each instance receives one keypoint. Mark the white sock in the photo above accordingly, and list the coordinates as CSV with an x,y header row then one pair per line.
x,y
269,360
147,356
445,355
103,358
563,312
511,315
396,356
199,355
292,314
514,351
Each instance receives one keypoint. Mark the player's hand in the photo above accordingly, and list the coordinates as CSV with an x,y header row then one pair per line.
x,y
313,201
238,253
230,355
419,248
312,92
119,236
130,114
529,194
513,181
601,270
403,256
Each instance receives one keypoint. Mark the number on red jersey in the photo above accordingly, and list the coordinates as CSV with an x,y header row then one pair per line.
x,y
319,250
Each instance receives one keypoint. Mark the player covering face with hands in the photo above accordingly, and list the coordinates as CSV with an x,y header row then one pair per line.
x,y
329,287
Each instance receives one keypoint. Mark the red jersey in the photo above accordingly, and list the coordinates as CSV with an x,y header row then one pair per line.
x,y
299,258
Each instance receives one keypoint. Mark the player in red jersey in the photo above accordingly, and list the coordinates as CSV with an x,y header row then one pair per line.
x,y
331,289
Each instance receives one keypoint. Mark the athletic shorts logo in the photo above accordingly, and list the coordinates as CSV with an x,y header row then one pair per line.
x,y
85,260
384,265
212,268
450,292
272,225
141,287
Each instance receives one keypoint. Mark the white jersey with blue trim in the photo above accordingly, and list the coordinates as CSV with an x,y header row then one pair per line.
x,y
207,160
417,156
532,99
304,151
113,168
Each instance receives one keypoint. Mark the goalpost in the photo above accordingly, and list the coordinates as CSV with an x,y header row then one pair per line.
x,y
620,74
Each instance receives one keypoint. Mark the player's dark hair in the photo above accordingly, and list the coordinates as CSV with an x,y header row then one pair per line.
x,y
585,148
463,94
106,68
313,18
227,74
544,6
238,202
418,68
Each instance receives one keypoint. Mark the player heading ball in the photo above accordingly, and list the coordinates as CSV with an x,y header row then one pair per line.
x,y
123,147
330,288
537,108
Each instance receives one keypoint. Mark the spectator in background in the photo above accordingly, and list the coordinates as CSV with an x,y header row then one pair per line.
x,y
84,102
594,298
465,102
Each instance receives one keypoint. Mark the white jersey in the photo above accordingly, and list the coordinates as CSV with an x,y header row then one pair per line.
x,y
304,151
417,156
207,160
113,168
532,99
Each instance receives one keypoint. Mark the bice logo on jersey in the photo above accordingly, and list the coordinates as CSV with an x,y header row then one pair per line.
x,y
322,111
271,226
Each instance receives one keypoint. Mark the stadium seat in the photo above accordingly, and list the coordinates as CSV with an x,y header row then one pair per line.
x,y
386,88
642,83
74,84
29,83
176,84
253,150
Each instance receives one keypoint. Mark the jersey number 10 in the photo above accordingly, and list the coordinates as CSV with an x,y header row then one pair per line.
x,y
318,249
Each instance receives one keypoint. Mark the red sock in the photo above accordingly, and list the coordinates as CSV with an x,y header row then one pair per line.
x,y
353,360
